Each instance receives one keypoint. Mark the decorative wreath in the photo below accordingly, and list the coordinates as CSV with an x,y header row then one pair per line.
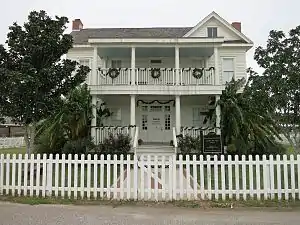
x,y
155,73
113,73
198,73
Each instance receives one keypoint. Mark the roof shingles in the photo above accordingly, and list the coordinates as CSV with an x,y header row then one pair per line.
x,y
82,36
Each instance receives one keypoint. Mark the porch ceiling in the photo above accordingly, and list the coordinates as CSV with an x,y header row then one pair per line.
x,y
119,52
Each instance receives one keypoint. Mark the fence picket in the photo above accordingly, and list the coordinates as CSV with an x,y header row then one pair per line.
x,y
271,159
25,174
38,174
31,174
75,165
187,176
13,175
216,177
244,177
63,172
285,178
237,177
115,174
223,177
95,186
293,186
251,176
195,178
279,184
230,186
209,177
20,159
56,175
88,184
257,174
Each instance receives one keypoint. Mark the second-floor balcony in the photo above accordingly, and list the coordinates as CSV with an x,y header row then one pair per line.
x,y
155,76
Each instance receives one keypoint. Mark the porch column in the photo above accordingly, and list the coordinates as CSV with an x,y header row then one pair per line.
x,y
132,113
218,115
216,59
94,119
177,74
132,65
177,116
95,66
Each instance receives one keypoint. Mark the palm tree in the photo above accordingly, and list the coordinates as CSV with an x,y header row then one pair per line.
x,y
245,124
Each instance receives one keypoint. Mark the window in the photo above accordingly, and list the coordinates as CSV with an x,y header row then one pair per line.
x,y
145,108
167,108
86,62
116,114
212,32
155,108
144,122
227,69
196,117
167,122
116,63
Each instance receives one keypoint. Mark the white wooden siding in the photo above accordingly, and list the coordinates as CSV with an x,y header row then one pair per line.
x,y
222,30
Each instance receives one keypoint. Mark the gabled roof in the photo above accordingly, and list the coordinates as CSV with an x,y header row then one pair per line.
x,y
222,21
82,36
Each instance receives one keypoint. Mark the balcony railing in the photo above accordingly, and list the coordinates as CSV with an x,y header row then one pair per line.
x,y
156,76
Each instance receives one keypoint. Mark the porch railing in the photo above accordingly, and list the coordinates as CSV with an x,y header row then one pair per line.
x,y
103,132
196,131
146,76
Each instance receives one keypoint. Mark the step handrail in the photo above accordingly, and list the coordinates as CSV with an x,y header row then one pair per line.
x,y
175,140
135,140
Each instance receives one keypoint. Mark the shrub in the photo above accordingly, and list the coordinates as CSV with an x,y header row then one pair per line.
x,y
188,145
79,146
44,144
119,144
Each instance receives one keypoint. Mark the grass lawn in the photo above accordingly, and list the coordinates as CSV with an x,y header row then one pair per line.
x,y
13,151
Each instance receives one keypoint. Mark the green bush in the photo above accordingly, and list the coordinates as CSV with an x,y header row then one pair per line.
x,y
80,146
188,145
119,144
44,144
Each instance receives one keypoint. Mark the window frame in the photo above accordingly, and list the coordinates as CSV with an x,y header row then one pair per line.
x,y
228,71
212,32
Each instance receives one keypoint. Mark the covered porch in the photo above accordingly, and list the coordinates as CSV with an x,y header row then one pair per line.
x,y
156,65
154,118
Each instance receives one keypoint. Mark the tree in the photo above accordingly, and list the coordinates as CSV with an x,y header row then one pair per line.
x,y
281,80
32,74
70,122
246,126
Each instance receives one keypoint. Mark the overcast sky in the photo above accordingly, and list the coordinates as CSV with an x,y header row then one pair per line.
x,y
258,17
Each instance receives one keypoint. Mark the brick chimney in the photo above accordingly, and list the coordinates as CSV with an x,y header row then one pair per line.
x,y
237,25
77,25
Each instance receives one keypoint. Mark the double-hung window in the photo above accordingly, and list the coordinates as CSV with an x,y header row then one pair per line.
x,y
227,69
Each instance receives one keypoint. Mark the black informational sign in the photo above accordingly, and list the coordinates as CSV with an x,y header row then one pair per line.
x,y
212,143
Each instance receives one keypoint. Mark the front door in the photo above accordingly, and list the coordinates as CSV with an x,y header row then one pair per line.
x,y
156,123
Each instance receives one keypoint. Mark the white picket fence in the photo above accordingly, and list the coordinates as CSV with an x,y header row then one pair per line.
x,y
12,142
151,178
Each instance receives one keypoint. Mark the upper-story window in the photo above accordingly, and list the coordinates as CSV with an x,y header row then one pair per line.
x,y
212,32
116,63
227,69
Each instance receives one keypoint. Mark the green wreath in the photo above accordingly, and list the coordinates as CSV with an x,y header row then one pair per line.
x,y
155,73
198,73
113,73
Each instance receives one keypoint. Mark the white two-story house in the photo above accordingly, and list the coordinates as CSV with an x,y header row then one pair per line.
x,y
161,79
